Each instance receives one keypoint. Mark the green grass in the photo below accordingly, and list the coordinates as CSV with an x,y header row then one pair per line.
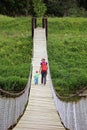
x,y
15,52
67,53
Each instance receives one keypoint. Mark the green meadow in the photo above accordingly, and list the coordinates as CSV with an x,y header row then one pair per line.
x,y
15,52
67,51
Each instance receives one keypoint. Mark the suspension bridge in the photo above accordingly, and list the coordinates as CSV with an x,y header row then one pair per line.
x,y
41,113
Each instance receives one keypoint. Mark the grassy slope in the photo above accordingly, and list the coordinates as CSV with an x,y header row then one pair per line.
x,y
67,50
15,52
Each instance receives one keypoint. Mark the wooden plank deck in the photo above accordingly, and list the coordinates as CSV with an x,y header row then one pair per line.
x,y
41,112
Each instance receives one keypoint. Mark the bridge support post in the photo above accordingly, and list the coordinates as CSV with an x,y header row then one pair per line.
x,y
44,25
33,25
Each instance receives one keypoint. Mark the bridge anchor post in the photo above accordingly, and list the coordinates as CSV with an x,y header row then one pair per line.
x,y
33,25
45,25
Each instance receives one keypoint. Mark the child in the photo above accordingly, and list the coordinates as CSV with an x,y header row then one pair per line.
x,y
36,76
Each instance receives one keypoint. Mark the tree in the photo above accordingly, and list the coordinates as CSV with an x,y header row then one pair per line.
x,y
59,7
29,7
13,7
82,3
39,8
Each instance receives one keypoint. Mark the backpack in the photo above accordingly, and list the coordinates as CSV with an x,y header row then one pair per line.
x,y
43,66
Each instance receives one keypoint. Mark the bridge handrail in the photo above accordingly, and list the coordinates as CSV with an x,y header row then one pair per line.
x,y
12,94
64,98
68,110
12,105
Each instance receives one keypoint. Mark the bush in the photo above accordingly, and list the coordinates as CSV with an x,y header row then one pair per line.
x,y
77,12
39,8
13,83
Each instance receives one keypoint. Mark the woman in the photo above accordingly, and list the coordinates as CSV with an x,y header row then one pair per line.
x,y
43,69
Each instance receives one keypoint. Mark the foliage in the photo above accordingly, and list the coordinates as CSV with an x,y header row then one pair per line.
x,y
15,52
39,8
77,12
59,7
82,3
67,53
13,7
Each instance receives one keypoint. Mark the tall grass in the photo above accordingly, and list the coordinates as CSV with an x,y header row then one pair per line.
x,y
15,52
67,51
